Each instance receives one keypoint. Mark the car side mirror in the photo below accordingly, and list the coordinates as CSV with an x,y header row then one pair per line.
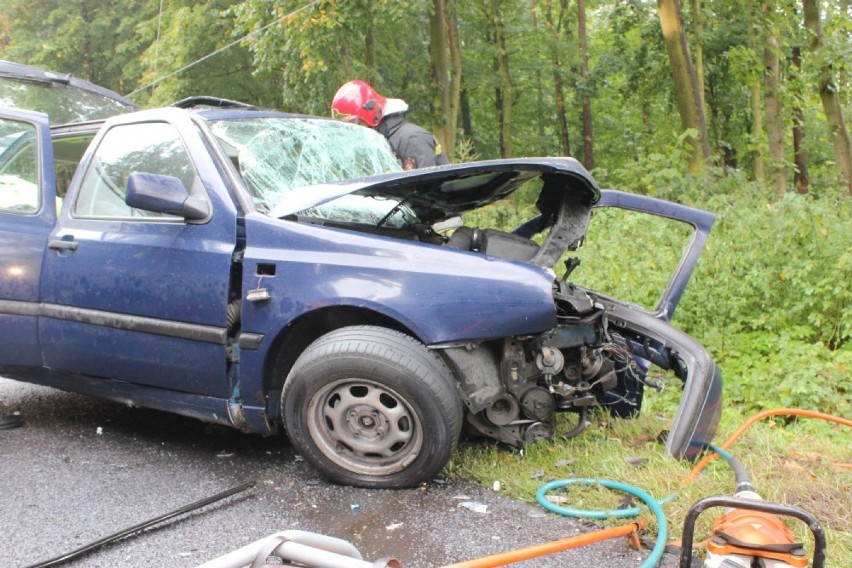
x,y
164,194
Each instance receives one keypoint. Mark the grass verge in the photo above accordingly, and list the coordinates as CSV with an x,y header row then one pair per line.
x,y
795,462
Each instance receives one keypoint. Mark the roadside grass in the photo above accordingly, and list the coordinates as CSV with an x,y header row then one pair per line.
x,y
795,462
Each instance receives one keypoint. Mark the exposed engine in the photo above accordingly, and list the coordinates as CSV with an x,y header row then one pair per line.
x,y
577,365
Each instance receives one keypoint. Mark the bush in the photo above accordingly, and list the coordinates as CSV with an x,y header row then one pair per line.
x,y
782,268
772,300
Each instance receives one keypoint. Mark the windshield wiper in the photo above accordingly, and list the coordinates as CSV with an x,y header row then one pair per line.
x,y
396,209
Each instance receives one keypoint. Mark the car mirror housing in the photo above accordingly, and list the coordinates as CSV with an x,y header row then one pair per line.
x,y
164,194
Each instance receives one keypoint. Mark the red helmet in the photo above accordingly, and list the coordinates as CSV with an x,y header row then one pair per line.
x,y
357,99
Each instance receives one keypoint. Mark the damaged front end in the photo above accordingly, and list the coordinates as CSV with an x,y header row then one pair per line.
x,y
601,349
598,355
597,351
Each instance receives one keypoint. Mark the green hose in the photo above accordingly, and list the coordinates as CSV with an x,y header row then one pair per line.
x,y
655,506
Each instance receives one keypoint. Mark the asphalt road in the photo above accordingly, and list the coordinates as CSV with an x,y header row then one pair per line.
x,y
81,469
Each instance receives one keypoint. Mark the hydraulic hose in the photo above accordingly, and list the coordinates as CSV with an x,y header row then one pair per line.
x,y
702,463
740,472
662,524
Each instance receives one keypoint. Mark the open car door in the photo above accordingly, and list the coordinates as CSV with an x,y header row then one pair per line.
x,y
663,241
27,215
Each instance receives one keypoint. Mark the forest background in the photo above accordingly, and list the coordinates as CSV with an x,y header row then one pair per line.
x,y
734,106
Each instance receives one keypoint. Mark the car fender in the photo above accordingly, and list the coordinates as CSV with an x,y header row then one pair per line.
x,y
441,294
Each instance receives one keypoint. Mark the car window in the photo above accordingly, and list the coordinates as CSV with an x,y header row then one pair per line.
x,y
19,188
153,147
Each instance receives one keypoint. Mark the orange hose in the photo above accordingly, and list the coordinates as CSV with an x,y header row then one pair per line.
x,y
546,548
760,416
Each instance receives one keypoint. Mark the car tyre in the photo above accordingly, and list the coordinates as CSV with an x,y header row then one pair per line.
x,y
372,407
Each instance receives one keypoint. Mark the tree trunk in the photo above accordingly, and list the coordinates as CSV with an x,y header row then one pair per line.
x,y
440,104
756,96
454,43
828,94
370,52
539,86
772,100
561,115
504,101
685,83
464,112
698,32
588,149
800,176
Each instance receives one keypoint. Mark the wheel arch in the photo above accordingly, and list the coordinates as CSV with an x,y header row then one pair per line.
x,y
304,330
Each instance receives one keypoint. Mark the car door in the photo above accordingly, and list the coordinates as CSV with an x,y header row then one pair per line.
x,y
665,240
660,243
27,215
134,295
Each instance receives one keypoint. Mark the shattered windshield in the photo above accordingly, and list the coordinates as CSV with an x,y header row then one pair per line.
x,y
277,155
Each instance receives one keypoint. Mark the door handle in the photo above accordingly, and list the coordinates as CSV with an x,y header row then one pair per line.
x,y
62,245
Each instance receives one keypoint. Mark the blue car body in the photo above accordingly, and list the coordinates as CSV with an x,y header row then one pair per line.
x,y
199,299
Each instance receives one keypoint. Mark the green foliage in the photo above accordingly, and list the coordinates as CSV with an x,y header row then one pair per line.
x,y
464,151
83,37
765,371
771,296
316,50
772,299
187,34
784,267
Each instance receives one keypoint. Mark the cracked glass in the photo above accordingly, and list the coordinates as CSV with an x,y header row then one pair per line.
x,y
278,155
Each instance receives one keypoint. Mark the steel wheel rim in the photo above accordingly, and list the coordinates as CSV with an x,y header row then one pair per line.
x,y
364,426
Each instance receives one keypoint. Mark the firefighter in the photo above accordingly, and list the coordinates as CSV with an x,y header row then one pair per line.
x,y
358,102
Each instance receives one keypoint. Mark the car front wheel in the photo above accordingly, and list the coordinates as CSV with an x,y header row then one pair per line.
x,y
372,407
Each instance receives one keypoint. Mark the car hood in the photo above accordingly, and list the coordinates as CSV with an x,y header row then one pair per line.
x,y
65,99
444,191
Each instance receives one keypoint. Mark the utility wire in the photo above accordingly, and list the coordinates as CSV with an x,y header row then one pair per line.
x,y
220,50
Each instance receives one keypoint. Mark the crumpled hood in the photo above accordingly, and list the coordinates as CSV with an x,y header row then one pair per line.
x,y
443,191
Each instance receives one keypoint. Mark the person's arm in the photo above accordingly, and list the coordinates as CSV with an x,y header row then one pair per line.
x,y
420,149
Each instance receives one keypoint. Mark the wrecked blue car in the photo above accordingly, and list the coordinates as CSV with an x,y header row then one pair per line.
x,y
281,273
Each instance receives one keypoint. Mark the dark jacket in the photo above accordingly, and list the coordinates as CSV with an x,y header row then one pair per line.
x,y
414,147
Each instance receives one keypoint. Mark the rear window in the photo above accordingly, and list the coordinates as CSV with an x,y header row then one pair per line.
x,y
63,104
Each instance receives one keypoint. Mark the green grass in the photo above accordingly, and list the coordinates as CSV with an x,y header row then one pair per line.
x,y
794,464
